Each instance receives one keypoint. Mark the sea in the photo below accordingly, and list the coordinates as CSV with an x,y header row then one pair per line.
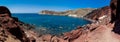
x,y
51,24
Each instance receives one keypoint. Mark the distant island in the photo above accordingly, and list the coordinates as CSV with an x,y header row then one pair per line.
x,y
73,13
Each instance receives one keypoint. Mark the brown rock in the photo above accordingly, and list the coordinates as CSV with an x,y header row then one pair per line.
x,y
95,14
115,15
47,38
4,11
11,26
113,6
10,29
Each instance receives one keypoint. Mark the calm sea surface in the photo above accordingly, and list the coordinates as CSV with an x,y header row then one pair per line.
x,y
52,24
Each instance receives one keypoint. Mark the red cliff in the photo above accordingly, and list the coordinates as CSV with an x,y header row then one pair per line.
x,y
13,31
95,32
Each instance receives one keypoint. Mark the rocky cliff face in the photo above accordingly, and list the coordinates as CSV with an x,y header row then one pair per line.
x,y
115,15
11,29
114,11
102,15
96,14
95,32
78,12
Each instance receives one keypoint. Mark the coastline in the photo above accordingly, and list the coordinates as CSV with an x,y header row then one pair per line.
x,y
69,15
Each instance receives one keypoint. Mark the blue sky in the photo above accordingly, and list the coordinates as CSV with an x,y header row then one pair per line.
x,y
33,6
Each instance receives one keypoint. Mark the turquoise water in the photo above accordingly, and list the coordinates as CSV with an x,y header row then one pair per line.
x,y
52,24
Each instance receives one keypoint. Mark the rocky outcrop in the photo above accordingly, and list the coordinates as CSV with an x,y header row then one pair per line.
x,y
102,14
114,11
4,10
115,16
95,14
11,29
78,12
94,32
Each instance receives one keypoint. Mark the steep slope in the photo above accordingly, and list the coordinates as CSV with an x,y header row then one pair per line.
x,y
11,29
102,14
95,14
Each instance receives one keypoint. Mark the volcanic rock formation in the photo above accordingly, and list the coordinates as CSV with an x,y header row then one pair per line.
x,y
99,31
103,15
12,30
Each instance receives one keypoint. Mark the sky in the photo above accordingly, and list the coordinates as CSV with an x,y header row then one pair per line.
x,y
34,6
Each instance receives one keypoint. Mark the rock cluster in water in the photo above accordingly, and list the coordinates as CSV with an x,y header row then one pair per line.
x,y
11,30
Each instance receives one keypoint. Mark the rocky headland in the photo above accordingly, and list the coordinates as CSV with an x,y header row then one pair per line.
x,y
74,13
11,29
106,28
